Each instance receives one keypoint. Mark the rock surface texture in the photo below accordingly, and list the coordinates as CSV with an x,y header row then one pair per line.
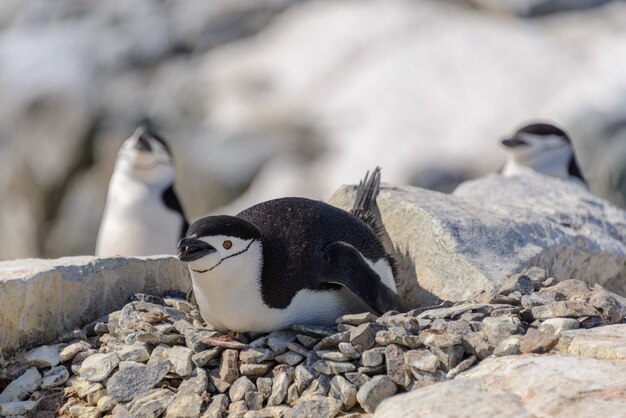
x,y
459,247
155,357
42,299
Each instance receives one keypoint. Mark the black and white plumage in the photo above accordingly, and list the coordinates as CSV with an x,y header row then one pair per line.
x,y
143,215
543,148
286,261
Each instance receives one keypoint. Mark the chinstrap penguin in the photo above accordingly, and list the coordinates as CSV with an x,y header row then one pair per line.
x,y
290,261
543,148
143,215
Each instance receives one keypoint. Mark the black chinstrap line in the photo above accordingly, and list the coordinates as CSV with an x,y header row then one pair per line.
x,y
226,258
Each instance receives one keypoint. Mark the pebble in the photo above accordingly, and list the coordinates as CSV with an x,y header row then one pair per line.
x,y
396,368
135,378
71,350
303,376
292,394
461,367
315,330
256,355
217,407
349,350
133,352
84,411
289,358
197,383
508,347
537,342
203,357
364,336
478,344
356,319
254,401
344,391
17,408
319,386
280,384
264,386
332,355
255,369
151,404
307,341
229,372
184,405
106,403
239,389
564,309
319,406
371,358
372,393
297,348
517,282
357,379
21,388
332,341
97,367
278,340
558,325
56,376
333,367
237,409
500,328
422,360
385,338
44,356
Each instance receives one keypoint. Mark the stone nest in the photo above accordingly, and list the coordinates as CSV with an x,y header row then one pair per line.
x,y
156,357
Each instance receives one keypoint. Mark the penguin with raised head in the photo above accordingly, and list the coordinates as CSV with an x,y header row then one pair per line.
x,y
290,261
543,148
143,215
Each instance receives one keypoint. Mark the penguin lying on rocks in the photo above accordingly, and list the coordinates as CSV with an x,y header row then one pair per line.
x,y
143,215
543,148
290,261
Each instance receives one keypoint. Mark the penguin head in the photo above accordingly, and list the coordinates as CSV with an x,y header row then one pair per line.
x,y
537,143
146,157
221,245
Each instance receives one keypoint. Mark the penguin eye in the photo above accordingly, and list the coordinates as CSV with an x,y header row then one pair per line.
x,y
227,244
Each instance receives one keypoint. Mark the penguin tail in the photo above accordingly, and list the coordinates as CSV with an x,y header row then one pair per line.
x,y
366,194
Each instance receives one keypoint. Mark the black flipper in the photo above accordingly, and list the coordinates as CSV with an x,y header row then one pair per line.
x,y
574,171
171,201
346,267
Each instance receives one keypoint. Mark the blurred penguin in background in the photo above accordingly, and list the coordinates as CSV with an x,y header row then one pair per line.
x,y
543,148
143,215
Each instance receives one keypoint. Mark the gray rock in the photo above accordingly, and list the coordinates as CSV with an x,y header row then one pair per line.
x,y
239,388
21,388
466,265
257,355
608,304
357,379
134,379
315,330
372,358
315,406
106,403
349,350
255,369
439,339
517,283
82,387
332,341
264,386
558,325
318,387
158,338
185,404
134,352
152,403
422,360
608,342
500,328
461,367
44,356
564,309
254,401
297,348
344,391
448,357
277,340
332,355
333,367
371,394
508,347
356,319
17,408
197,340
385,338
196,383
396,368
572,289
409,323
303,376
229,372
478,344
97,367
289,358
307,341
363,337
203,357
538,299
292,394
72,349
54,377
218,407
280,385
219,384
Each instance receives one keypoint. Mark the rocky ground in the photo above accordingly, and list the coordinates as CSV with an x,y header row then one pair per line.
x,y
155,357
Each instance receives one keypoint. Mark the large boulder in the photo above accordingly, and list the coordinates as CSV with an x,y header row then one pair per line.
x,y
521,386
462,246
42,299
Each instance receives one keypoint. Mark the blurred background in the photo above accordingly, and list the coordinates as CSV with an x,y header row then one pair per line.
x,y
268,98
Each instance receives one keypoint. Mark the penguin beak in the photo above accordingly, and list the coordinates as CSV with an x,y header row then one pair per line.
x,y
513,142
191,249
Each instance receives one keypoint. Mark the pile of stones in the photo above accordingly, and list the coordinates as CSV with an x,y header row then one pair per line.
x,y
155,357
